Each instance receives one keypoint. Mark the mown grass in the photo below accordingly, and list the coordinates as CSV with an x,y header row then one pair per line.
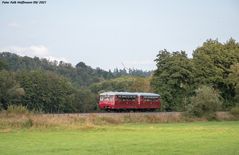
x,y
130,138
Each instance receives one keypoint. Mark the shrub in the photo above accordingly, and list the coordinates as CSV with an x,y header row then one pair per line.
x,y
17,109
235,111
205,103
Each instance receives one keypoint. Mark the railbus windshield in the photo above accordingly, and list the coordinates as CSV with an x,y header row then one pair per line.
x,y
106,97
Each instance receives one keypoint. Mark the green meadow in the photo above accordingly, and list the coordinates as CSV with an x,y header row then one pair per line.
x,y
148,138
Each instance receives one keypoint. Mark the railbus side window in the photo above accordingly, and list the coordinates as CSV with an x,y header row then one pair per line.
x,y
151,98
126,98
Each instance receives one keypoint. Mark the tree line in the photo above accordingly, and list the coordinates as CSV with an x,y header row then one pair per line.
x,y
43,91
214,64
56,87
81,75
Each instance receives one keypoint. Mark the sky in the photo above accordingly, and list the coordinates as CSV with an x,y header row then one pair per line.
x,y
114,33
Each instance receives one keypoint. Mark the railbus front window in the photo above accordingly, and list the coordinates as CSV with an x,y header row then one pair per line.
x,y
105,98
101,98
111,98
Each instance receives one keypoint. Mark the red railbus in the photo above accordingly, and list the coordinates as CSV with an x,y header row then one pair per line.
x,y
123,101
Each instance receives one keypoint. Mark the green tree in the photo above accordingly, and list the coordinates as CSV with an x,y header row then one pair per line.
x,y
2,65
173,79
125,83
233,79
10,90
212,62
81,75
85,101
46,91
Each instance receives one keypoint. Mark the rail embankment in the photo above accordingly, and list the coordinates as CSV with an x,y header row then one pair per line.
x,y
90,120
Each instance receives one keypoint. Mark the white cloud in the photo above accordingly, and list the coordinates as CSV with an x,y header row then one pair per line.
x,y
32,51
40,51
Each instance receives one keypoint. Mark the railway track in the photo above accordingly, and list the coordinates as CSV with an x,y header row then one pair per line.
x,y
126,117
111,114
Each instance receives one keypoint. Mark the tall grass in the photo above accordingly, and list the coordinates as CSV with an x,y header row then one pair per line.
x,y
29,120
17,109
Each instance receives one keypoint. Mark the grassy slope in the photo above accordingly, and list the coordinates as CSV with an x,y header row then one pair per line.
x,y
172,138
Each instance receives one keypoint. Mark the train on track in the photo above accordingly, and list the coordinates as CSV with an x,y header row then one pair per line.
x,y
129,101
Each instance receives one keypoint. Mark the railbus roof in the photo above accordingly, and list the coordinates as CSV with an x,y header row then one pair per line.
x,y
131,94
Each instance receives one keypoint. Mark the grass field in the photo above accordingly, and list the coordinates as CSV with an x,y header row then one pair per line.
x,y
161,138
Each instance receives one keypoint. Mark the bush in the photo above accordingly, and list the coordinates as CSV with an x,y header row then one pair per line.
x,y
205,103
235,111
17,109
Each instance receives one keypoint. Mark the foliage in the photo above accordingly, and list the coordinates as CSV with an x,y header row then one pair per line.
x,y
126,83
46,91
10,90
205,102
213,64
81,75
85,101
131,72
52,86
235,110
213,61
233,80
173,78
43,91
2,65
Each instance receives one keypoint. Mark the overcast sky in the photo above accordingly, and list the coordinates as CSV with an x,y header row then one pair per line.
x,y
110,33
